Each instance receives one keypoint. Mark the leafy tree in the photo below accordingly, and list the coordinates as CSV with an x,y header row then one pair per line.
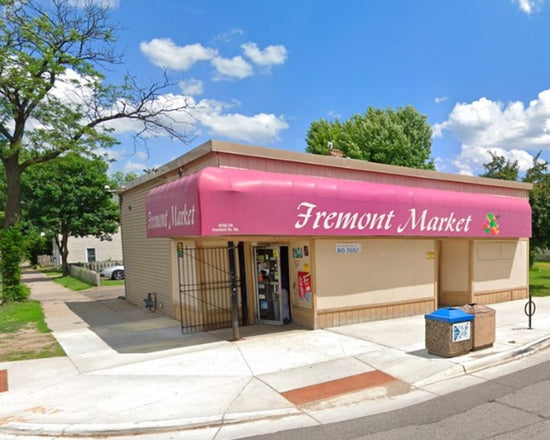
x,y
67,198
119,179
12,289
501,168
322,135
53,95
3,197
539,197
401,137
37,243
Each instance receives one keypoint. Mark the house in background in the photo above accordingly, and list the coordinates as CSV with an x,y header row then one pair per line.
x,y
90,249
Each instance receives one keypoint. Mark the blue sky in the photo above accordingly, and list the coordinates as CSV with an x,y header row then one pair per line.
x,y
259,72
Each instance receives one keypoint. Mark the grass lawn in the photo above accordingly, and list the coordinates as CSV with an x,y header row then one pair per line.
x,y
75,284
112,282
24,333
14,315
69,282
539,279
72,283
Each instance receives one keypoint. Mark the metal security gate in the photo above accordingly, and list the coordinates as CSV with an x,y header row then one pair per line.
x,y
206,288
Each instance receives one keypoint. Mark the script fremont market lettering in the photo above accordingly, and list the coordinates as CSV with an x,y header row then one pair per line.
x,y
177,217
342,220
434,223
310,215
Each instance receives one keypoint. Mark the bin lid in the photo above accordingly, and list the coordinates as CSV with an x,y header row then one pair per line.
x,y
476,308
450,315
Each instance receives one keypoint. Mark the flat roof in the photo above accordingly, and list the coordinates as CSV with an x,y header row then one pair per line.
x,y
231,148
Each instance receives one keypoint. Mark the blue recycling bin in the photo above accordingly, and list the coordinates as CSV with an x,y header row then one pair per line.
x,y
449,332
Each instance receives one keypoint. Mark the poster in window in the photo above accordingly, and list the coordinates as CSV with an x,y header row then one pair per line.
x,y
304,286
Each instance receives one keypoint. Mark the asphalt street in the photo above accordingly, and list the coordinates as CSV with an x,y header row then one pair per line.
x,y
510,407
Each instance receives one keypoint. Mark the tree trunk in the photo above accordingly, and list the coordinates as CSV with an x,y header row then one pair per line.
x,y
13,170
65,253
12,215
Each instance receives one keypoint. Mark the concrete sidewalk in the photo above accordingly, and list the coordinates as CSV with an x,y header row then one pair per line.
x,y
129,371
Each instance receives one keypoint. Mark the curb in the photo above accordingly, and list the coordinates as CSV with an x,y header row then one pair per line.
x,y
18,427
493,360
151,427
505,356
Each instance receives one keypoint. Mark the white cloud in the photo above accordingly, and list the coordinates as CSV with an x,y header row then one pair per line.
x,y
471,159
490,124
440,99
529,6
182,120
271,55
128,159
73,88
216,117
226,37
219,118
163,52
230,68
260,128
514,130
136,167
142,155
191,87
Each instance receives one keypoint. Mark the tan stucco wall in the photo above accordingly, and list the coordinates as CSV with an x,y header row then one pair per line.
x,y
500,265
385,271
455,265
454,259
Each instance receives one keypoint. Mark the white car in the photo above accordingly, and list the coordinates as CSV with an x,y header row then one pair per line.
x,y
112,272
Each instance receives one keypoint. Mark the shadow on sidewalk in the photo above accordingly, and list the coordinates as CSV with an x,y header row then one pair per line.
x,y
127,328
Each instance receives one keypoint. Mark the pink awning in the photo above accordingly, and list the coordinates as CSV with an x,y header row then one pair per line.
x,y
221,201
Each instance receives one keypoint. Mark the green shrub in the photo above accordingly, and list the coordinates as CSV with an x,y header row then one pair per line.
x,y
11,253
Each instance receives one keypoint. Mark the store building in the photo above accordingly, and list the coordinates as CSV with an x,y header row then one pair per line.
x,y
319,240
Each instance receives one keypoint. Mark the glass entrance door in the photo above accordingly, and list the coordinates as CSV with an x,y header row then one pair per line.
x,y
267,262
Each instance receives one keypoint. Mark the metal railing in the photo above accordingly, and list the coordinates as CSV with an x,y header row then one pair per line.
x,y
205,289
